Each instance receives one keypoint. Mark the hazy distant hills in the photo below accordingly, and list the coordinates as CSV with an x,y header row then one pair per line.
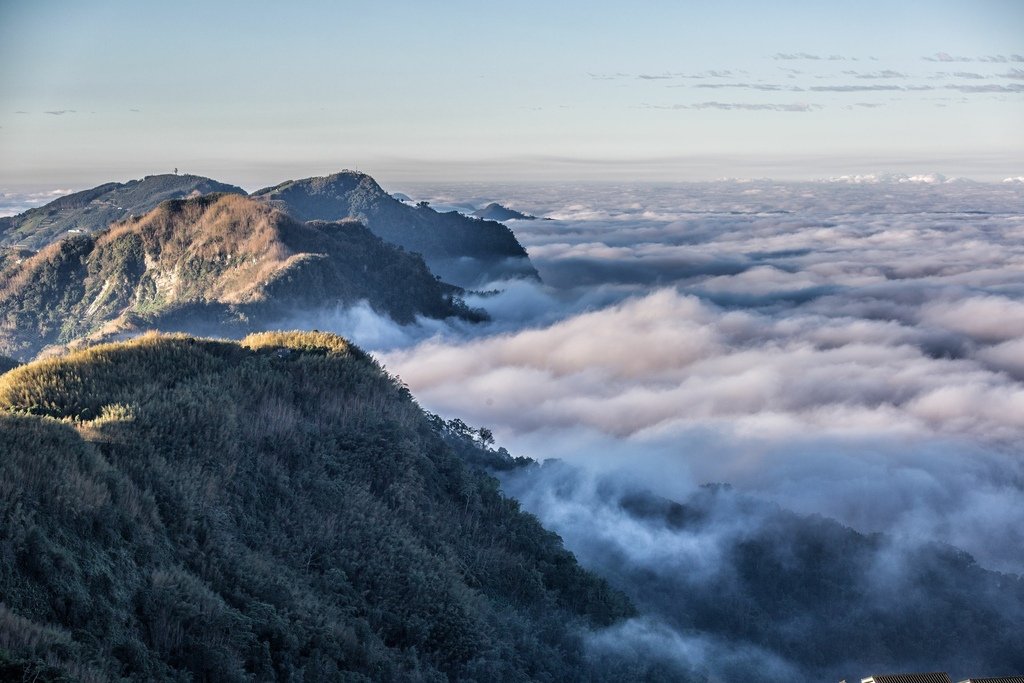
x,y
275,509
98,207
496,212
462,250
218,264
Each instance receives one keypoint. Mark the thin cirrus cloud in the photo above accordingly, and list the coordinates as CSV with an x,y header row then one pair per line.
x,y
795,56
714,73
607,77
797,107
798,81
711,73
989,88
867,88
884,73
60,112
742,106
995,59
857,87
766,87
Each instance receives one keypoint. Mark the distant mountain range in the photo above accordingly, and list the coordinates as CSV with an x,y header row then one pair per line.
x,y
187,253
460,249
219,264
95,209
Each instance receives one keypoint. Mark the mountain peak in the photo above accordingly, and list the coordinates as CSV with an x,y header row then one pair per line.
x,y
497,212
463,251
344,180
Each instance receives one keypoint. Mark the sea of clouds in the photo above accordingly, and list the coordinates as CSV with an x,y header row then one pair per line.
x,y
13,202
845,348
849,349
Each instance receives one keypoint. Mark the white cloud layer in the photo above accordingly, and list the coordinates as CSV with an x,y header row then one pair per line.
x,y
844,348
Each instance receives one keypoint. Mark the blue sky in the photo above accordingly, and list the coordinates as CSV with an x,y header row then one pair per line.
x,y
255,92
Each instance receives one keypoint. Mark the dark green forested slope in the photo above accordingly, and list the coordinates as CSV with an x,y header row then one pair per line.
x,y
217,264
278,508
98,207
462,250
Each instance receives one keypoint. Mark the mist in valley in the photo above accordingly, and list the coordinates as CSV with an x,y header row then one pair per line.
x,y
845,357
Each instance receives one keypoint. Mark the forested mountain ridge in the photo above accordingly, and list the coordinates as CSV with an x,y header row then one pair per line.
x,y
218,264
462,250
278,508
96,208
